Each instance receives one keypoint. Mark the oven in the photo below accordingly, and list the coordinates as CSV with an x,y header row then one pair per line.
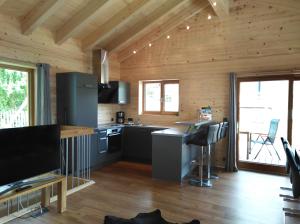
x,y
114,139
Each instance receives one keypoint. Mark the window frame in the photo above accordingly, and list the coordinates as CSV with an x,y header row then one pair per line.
x,y
31,89
162,96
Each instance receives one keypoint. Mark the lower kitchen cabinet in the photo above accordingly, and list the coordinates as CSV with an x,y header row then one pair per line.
x,y
137,144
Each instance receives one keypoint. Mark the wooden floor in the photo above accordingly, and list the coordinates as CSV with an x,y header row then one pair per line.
x,y
125,189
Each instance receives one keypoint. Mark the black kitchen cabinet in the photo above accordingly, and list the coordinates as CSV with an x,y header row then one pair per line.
x,y
117,93
137,144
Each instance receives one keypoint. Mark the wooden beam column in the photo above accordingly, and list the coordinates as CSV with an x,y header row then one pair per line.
x,y
81,19
39,14
107,29
141,27
221,7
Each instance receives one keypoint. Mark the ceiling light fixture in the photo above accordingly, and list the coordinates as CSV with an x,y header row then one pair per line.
x,y
187,27
168,37
209,17
134,51
214,4
149,44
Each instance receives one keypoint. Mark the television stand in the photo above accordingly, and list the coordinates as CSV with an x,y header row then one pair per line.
x,y
45,187
24,183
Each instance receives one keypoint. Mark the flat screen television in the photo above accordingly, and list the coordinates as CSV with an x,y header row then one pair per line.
x,y
28,152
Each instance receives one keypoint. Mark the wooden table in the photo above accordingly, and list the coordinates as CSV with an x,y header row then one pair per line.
x,y
45,197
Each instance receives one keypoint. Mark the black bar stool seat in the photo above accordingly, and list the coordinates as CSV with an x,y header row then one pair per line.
x,y
205,136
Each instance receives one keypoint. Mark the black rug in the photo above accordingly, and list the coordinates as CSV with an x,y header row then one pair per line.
x,y
143,218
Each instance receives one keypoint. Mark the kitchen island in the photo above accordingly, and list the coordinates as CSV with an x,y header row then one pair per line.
x,y
171,157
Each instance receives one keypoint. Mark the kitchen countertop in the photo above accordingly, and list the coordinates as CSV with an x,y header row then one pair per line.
x,y
172,131
181,129
114,125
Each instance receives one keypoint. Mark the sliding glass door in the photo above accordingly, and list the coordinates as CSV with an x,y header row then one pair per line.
x,y
296,115
268,109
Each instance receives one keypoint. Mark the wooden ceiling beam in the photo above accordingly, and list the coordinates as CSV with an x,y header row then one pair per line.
x,y
194,7
81,19
144,25
39,14
107,29
2,2
221,7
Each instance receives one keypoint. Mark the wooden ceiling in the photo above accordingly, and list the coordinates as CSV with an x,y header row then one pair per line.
x,y
109,24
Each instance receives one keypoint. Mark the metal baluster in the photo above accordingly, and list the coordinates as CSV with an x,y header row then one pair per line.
x,y
81,158
86,156
89,157
83,150
67,161
72,162
77,162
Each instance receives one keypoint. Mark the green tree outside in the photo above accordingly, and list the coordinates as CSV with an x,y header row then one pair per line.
x,y
13,89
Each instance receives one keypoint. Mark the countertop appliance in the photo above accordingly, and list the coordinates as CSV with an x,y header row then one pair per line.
x,y
117,92
77,104
120,117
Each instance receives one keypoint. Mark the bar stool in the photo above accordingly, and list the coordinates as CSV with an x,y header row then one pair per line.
x,y
222,132
205,136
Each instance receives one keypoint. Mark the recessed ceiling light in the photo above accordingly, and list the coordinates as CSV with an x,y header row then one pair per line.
x,y
134,51
168,37
187,27
214,4
149,44
209,17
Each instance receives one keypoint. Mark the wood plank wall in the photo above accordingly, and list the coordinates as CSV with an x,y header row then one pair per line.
x,y
259,35
39,47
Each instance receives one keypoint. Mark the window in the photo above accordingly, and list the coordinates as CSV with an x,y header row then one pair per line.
x,y
16,98
161,97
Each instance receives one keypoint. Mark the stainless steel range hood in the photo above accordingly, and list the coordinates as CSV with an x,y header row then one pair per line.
x,y
101,67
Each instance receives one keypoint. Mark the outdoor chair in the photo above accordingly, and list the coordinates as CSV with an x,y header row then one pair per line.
x,y
267,139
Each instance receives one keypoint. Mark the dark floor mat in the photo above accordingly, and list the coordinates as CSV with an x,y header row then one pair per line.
x,y
142,218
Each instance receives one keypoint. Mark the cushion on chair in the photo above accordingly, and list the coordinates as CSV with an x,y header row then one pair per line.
x,y
142,218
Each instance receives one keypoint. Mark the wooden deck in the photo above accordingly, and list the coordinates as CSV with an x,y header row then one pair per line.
x,y
124,189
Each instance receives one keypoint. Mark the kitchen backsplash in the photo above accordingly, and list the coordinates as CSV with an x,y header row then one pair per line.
x,y
106,112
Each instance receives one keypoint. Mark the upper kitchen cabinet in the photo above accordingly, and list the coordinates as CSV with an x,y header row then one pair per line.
x,y
117,92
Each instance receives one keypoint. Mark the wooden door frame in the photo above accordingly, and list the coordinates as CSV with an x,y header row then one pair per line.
x,y
286,77
31,88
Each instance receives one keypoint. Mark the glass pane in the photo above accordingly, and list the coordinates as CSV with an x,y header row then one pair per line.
x,y
14,109
296,116
263,118
171,97
152,96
